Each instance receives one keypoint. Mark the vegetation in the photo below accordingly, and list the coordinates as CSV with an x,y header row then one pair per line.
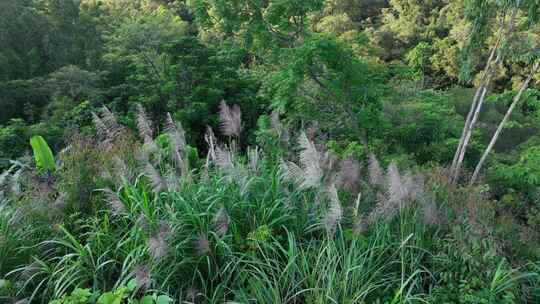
x,y
218,151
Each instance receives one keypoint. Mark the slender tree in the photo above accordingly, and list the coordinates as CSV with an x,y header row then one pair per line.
x,y
506,15
503,122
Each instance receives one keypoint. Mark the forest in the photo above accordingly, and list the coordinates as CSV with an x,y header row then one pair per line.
x,y
269,151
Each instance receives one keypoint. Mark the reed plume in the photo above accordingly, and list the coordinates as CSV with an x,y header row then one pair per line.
x,y
231,119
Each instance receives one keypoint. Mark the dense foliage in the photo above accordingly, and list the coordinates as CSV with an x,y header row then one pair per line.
x,y
276,151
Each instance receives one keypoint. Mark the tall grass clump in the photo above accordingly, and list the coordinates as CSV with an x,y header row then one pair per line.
x,y
242,227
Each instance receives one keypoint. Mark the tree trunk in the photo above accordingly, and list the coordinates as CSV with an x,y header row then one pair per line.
x,y
474,103
469,132
479,97
515,101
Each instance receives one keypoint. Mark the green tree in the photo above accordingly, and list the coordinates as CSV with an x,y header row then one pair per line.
x,y
483,14
323,81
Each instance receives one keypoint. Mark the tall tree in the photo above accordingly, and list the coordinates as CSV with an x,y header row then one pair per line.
x,y
486,14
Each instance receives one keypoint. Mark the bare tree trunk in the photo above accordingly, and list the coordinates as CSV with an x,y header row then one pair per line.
x,y
479,97
474,103
469,132
515,101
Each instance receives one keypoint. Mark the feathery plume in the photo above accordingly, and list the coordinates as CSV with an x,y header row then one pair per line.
x,y
211,140
349,173
142,277
430,213
401,190
155,178
113,200
165,230
106,125
202,245
221,222
223,158
310,160
122,170
176,132
361,225
142,221
172,180
413,186
157,246
291,172
328,168
357,204
144,124
375,171
108,117
231,119
253,157
177,138
15,185
397,193
335,212
385,209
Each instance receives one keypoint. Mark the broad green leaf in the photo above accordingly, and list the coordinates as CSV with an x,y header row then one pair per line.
x,y
163,300
42,154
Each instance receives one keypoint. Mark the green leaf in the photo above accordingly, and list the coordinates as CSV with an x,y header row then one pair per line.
x,y
163,300
82,294
42,154
147,300
132,285
111,297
